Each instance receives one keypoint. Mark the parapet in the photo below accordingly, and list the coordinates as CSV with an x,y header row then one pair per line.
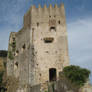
x,y
13,33
35,14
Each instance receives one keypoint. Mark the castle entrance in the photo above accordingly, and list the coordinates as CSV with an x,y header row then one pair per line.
x,y
52,74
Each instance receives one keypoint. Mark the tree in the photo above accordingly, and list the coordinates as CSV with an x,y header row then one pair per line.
x,y
76,74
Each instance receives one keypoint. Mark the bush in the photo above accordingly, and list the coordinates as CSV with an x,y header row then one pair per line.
x,y
76,75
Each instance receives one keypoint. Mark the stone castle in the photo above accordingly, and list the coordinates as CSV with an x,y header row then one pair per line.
x,y
39,51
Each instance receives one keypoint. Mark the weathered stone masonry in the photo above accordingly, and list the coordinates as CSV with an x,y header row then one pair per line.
x,y
40,48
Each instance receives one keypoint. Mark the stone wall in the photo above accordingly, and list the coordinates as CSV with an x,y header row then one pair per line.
x,y
35,88
61,86
41,45
48,23
10,56
22,55
86,88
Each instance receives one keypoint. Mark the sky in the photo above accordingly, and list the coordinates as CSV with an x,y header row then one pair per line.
x,y
78,20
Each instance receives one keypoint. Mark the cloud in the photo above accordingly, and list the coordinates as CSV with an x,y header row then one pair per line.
x,y
11,19
80,42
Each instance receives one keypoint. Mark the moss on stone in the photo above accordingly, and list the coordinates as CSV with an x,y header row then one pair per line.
x,y
10,55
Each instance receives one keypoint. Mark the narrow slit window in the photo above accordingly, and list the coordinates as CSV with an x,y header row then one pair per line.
x,y
50,16
59,22
48,40
37,24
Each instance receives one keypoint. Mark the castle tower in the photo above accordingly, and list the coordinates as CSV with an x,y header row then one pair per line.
x,y
41,46
49,41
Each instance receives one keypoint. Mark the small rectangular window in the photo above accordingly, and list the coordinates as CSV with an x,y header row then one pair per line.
x,y
48,40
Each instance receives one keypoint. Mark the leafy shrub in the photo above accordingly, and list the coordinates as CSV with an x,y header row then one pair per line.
x,y
76,75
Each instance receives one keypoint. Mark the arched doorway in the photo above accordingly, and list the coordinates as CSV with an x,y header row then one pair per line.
x,y
52,74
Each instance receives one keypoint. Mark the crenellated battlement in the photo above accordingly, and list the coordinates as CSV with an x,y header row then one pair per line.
x,y
43,14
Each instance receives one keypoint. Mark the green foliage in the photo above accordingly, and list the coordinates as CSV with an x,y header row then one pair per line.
x,y
76,75
10,55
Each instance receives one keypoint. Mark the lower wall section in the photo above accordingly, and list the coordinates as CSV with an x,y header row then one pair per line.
x,y
35,88
61,85
57,86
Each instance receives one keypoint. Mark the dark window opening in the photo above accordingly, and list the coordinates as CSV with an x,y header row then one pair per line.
x,y
37,64
16,64
40,74
47,51
50,16
13,39
54,15
48,40
52,29
37,24
52,74
17,52
33,29
59,22
24,46
14,43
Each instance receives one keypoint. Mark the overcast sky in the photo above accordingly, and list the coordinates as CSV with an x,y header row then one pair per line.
x,y
78,19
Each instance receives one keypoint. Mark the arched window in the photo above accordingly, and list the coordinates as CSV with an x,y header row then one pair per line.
x,y
52,28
